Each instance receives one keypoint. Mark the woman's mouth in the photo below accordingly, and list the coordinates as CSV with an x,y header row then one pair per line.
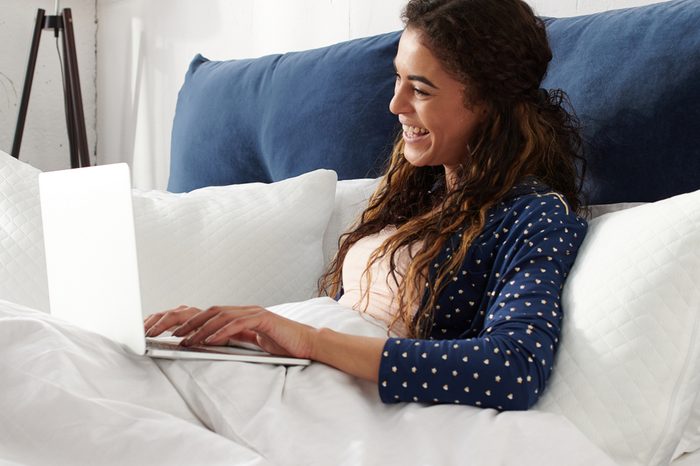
x,y
412,134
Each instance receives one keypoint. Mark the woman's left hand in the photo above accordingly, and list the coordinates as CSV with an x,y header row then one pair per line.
x,y
253,324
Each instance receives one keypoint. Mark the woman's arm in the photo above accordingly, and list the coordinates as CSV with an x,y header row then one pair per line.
x,y
357,355
507,364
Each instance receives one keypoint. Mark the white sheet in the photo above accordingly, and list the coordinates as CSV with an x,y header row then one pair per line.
x,y
688,459
71,397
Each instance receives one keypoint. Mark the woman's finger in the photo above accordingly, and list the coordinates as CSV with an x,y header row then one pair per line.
x,y
198,320
271,346
149,321
207,328
234,328
202,319
225,325
152,319
246,336
171,319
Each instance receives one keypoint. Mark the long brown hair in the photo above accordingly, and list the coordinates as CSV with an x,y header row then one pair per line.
x,y
498,49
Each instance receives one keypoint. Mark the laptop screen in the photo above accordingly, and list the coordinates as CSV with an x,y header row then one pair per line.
x,y
90,244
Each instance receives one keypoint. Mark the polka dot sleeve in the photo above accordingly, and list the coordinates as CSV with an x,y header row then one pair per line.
x,y
505,358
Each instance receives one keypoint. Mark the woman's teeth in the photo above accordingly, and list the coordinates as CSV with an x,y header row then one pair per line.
x,y
414,130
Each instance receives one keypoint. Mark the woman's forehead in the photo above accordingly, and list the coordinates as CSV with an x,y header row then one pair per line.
x,y
414,58
413,53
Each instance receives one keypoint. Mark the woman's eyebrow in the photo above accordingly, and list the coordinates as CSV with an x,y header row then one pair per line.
x,y
414,77
423,79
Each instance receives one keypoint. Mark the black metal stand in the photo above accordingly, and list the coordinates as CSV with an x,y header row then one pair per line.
x,y
75,118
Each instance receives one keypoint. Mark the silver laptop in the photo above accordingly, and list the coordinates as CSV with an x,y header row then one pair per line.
x,y
92,266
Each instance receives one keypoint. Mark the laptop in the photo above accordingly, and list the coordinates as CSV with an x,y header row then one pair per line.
x,y
92,265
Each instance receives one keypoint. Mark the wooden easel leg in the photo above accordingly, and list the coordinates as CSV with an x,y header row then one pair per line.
x,y
68,106
75,117
24,103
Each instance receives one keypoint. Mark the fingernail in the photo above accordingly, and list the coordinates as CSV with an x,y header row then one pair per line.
x,y
208,340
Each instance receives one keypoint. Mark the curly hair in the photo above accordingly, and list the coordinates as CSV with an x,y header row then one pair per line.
x,y
498,50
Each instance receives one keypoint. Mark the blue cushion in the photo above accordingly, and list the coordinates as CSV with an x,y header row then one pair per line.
x,y
633,77
279,116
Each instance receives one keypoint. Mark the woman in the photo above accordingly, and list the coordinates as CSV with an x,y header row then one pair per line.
x,y
466,244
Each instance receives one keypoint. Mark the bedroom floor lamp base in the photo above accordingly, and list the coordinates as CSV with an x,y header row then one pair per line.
x,y
75,118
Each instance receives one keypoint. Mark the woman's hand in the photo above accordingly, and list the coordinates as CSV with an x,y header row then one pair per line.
x,y
253,324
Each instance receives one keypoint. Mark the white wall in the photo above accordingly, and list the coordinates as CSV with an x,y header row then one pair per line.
x,y
144,48
45,141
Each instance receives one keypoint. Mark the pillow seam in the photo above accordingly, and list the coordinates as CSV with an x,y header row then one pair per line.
x,y
682,379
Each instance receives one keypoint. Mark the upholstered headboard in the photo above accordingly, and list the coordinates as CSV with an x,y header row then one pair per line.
x,y
633,76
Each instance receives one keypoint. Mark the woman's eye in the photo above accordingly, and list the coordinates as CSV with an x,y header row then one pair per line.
x,y
420,92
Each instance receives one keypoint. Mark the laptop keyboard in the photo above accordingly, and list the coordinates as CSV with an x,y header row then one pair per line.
x,y
172,346
162,345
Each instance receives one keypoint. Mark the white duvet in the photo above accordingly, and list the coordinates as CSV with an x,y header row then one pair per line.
x,y
70,397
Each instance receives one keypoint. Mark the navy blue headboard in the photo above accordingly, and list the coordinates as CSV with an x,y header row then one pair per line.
x,y
633,76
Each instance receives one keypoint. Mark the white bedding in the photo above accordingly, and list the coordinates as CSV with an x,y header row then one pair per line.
x,y
688,459
69,397
72,397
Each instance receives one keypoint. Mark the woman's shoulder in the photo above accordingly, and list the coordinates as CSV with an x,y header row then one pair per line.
x,y
535,220
532,204
532,194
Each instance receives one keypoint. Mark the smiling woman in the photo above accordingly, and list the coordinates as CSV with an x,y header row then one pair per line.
x,y
466,244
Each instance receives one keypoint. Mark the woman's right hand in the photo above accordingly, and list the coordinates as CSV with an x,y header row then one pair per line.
x,y
157,323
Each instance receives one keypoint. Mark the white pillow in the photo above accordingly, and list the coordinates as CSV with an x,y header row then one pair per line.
x,y
351,198
628,369
241,244
22,263
690,441
600,209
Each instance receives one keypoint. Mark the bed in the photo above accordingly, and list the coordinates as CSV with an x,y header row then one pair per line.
x,y
271,160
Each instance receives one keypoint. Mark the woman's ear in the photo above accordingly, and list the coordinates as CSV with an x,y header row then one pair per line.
x,y
482,111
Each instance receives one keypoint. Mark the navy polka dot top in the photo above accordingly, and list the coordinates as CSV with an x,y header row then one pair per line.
x,y
497,324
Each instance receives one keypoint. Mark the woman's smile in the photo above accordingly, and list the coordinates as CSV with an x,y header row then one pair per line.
x,y
414,134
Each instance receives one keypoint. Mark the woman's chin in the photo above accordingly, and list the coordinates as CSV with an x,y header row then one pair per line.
x,y
418,157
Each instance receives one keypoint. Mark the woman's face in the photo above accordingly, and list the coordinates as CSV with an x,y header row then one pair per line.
x,y
437,127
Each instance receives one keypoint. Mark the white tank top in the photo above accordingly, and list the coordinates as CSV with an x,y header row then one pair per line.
x,y
381,302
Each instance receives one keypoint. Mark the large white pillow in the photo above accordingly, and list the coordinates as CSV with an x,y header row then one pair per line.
x,y
690,441
351,198
22,263
628,369
241,244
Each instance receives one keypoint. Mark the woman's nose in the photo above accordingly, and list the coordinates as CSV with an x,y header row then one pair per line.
x,y
399,103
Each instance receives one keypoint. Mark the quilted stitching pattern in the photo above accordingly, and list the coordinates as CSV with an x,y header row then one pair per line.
x,y
627,368
242,244
22,260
